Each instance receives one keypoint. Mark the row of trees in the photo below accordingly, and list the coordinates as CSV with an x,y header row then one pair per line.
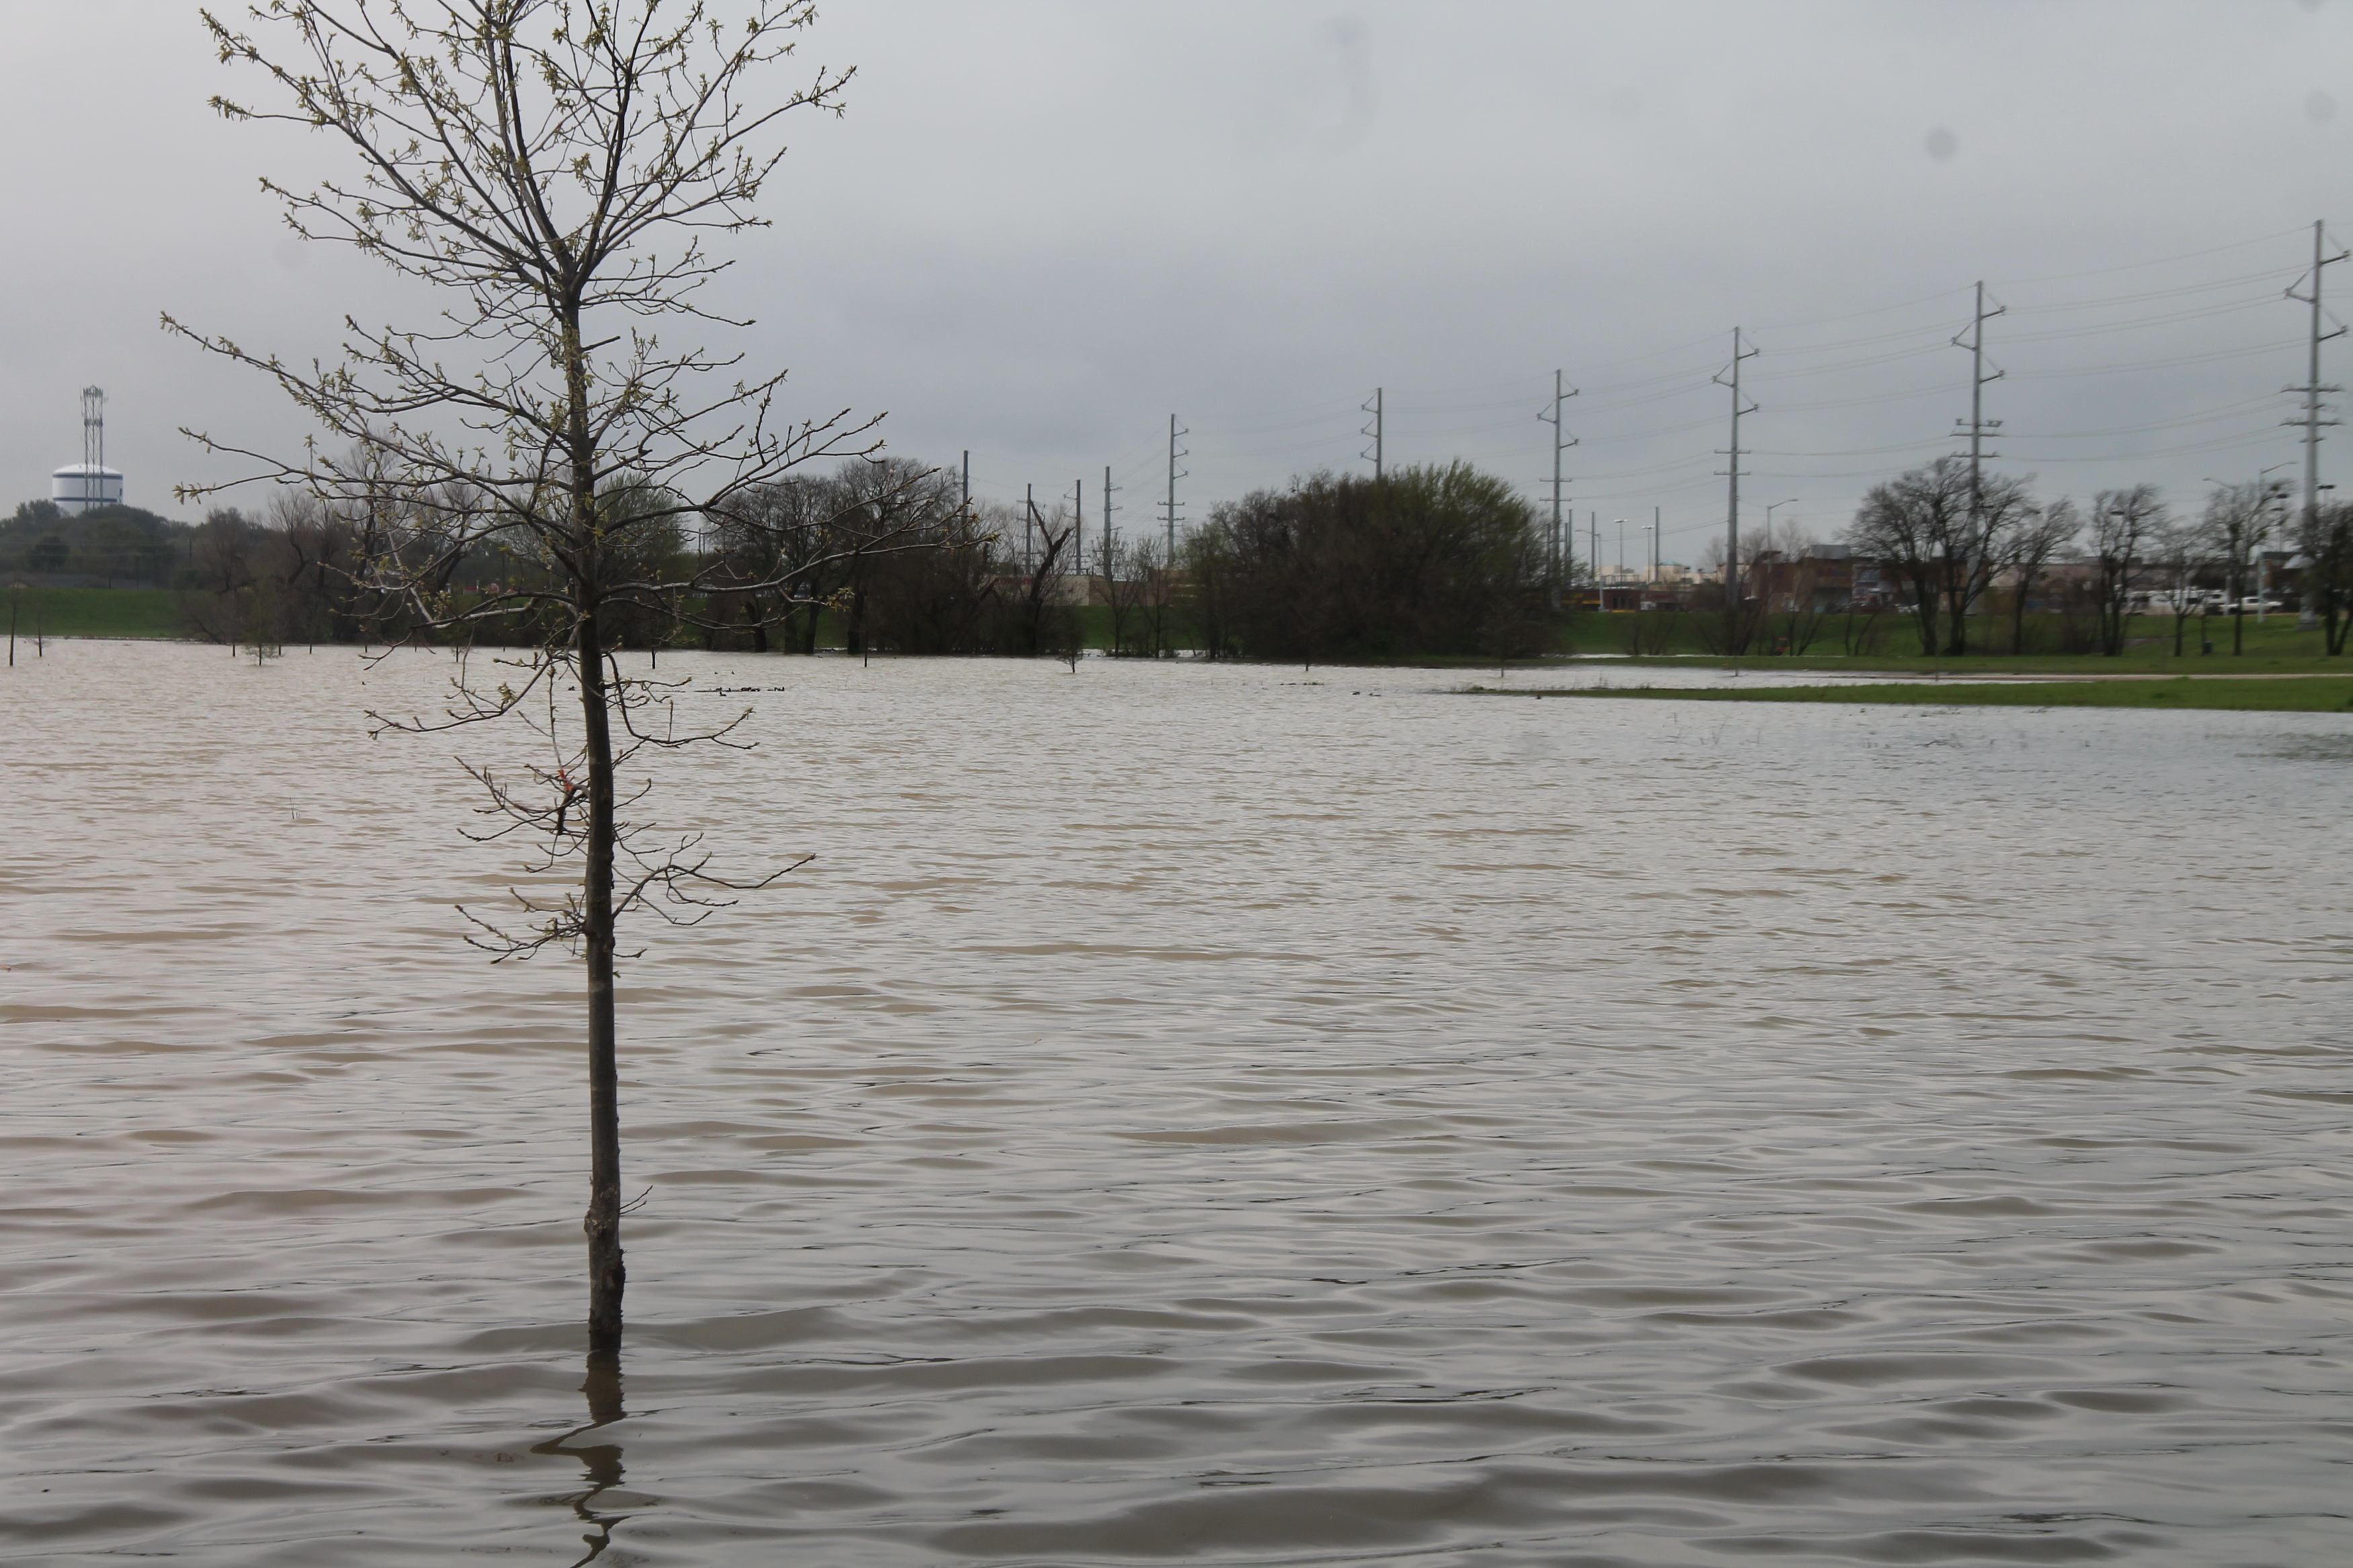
x,y
1943,535
1440,560
112,544
888,556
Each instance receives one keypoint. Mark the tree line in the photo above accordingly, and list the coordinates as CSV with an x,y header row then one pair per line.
x,y
1963,556
884,555
1944,536
116,544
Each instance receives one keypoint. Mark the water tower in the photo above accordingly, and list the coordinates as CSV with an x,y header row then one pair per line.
x,y
77,487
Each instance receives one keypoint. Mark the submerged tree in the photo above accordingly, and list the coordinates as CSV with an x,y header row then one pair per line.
x,y
553,167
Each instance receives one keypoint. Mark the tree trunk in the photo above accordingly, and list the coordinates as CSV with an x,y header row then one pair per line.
x,y
603,1224
1925,599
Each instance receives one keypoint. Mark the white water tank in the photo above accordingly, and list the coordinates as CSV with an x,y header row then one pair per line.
x,y
77,487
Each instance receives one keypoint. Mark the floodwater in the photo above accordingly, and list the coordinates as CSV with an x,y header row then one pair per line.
x,y
1226,1115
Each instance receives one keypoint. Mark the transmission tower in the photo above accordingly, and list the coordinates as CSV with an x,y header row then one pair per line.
x,y
1169,516
1561,441
2313,386
93,440
1732,498
1977,423
1372,452
1108,509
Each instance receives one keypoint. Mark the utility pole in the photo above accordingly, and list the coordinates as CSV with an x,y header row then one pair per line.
x,y
1374,430
1029,518
1561,441
1593,552
2313,387
2274,505
1654,544
967,484
1977,424
1079,524
1732,498
1106,552
1170,516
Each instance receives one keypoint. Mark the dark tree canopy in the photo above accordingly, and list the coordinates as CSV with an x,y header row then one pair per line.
x,y
1428,560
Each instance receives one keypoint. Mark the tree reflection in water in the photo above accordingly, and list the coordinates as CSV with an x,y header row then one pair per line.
x,y
602,1461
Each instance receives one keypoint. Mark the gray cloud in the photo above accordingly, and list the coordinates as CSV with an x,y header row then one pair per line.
x,y
1044,227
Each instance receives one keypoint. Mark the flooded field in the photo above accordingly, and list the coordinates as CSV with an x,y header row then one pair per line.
x,y
1234,1115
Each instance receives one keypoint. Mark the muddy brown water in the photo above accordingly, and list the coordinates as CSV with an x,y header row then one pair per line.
x,y
1241,1116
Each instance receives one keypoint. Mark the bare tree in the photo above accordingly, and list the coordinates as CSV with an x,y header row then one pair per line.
x,y
1121,591
1039,621
2126,531
2182,558
1903,524
2032,548
2236,517
2325,539
1945,537
1139,595
554,170
1719,626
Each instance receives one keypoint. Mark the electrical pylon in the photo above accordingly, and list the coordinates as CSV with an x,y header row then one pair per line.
x,y
1561,441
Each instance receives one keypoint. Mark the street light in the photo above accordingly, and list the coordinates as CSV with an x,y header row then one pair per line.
x,y
2264,495
2263,565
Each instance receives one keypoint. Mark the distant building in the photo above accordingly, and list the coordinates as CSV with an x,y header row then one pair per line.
x,y
1817,579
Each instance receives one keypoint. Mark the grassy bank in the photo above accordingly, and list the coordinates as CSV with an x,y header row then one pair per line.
x,y
2277,646
2315,694
1895,645
92,613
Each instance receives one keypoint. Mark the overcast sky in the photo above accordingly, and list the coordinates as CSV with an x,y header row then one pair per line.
x,y
1043,229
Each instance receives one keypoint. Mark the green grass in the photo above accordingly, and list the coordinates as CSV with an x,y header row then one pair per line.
x,y
2313,694
2276,647
91,613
